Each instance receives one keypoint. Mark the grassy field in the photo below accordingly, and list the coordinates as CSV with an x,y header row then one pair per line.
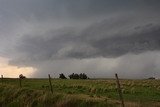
x,y
79,93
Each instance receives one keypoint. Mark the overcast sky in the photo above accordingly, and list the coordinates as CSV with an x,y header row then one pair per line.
x,y
96,37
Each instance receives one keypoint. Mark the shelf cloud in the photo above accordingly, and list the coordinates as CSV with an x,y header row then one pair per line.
x,y
99,38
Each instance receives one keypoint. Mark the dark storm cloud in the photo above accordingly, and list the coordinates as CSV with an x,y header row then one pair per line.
x,y
135,43
73,10
61,44
81,35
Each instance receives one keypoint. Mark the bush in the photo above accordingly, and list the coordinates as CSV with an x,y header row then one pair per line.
x,y
21,76
78,76
83,76
62,76
74,76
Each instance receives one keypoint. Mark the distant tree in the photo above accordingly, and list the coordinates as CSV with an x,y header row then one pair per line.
x,y
71,76
74,76
152,78
83,76
21,76
62,76
78,76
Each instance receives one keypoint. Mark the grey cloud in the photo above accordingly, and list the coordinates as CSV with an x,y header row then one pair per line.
x,y
74,10
64,44
135,43
54,33
142,65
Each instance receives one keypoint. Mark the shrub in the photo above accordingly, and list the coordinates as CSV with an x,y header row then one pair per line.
x,y
78,76
62,76
74,76
83,76
21,76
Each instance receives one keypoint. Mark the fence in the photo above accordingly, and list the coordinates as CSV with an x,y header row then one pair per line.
x,y
20,79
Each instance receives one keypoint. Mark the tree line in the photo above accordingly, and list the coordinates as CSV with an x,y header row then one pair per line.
x,y
74,76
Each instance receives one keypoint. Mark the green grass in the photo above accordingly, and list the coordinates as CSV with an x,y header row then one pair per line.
x,y
78,93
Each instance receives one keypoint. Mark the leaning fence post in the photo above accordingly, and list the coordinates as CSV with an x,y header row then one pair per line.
x,y
119,90
20,82
50,82
2,79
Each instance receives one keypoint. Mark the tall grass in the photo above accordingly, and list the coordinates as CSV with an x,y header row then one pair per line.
x,y
11,96
78,93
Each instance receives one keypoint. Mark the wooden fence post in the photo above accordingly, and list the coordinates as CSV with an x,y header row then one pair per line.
x,y
119,90
2,79
50,82
20,82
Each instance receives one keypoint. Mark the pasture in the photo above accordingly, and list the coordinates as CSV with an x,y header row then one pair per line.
x,y
79,93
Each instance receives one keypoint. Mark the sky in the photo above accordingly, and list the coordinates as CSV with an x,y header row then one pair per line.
x,y
96,37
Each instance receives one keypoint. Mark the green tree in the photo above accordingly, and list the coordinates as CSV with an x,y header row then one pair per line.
x,y
62,76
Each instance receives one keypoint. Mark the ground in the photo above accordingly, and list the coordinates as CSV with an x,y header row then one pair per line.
x,y
79,93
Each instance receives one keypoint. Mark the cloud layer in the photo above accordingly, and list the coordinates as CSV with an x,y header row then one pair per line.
x,y
99,38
